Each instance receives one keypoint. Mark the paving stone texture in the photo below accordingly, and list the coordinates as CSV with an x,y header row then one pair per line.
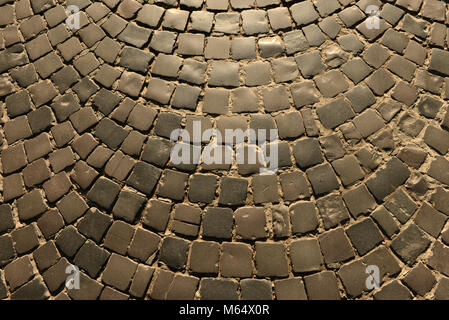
x,y
86,177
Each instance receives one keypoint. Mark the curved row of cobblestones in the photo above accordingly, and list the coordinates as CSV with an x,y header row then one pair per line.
x,y
87,180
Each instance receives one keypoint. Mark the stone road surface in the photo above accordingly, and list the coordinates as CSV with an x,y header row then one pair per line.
x,y
86,178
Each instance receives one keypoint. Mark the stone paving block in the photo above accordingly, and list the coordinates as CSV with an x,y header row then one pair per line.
x,y
401,205
193,72
385,221
335,246
410,243
420,279
441,289
33,290
393,291
135,35
18,103
119,272
91,289
271,259
265,189
69,241
89,164
290,289
360,98
183,288
173,252
310,64
281,221
375,55
359,201
439,199
253,289
402,67
438,258
64,79
13,57
332,146
385,260
161,283
94,224
46,255
202,188
348,169
304,217
17,129
7,253
364,235
415,26
156,214
30,205
228,23
307,153
118,237
351,16
428,81
25,239
99,156
13,187
430,220
353,276
218,223
233,191
83,174
270,47
114,25
104,192
250,223
202,21
322,178
50,223
40,119
330,26
159,90
335,113
305,255
383,182
204,256
109,293
30,28
218,289
19,272
236,260
110,133
350,43
128,205
285,69
322,286
85,89
436,138
141,279
303,13
7,221
91,258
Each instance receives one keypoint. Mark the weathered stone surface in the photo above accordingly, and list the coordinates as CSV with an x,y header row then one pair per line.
x,y
410,243
322,286
88,175
335,246
332,210
388,178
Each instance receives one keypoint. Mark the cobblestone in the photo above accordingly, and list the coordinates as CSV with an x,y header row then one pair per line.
x,y
87,175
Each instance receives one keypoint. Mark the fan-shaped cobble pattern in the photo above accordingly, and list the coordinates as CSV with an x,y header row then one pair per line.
x,y
87,179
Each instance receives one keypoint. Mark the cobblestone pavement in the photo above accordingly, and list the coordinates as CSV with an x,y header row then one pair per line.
x,y
363,127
